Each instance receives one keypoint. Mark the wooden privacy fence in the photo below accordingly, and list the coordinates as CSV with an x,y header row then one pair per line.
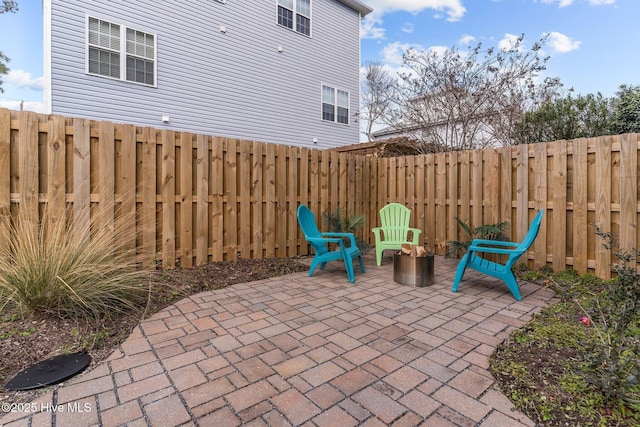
x,y
193,199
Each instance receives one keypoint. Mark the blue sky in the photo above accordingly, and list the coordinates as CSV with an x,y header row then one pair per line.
x,y
593,44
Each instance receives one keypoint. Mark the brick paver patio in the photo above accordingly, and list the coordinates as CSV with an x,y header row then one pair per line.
x,y
313,351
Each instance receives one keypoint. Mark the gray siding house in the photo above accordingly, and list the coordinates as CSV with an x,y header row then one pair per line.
x,y
279,71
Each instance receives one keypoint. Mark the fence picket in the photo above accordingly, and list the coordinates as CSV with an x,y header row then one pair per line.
x,y
5,178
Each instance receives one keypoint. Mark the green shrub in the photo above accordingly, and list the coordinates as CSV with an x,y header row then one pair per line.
x,y
337,222
54,267
496,231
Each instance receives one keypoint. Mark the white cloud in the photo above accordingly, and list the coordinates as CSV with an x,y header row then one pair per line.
x,y
370,28
565,3
22,79
407,28
466,40
561,3
508,42
36,106
452,8
561,43
392,53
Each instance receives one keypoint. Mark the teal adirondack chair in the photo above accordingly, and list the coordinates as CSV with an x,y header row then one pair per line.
x,y
504,272
320,244
394,230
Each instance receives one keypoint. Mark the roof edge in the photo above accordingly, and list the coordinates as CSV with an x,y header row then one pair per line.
x,y
358,6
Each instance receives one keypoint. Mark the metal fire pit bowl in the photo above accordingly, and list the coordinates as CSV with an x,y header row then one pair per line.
x,y
413,271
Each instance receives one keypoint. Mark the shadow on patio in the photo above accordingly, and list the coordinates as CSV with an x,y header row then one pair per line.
x,y
317,351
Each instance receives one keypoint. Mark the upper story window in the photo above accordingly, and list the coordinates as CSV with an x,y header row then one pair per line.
x,y
296,15
335,105
119,52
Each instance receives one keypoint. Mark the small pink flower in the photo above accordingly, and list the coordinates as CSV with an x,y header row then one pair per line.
x,y
585,320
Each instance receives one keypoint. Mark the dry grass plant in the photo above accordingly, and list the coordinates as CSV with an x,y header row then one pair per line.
x,y
53,266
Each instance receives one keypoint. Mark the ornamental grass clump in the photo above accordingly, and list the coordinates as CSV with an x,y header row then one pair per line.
x,y
53,267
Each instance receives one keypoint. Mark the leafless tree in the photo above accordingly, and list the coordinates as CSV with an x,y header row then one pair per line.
x,y
470,99
9,6
377,92
6,6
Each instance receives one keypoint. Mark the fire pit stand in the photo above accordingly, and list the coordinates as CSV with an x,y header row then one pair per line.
x,y
413,270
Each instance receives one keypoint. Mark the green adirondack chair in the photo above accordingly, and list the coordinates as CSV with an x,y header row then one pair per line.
x,y
473,257
394,230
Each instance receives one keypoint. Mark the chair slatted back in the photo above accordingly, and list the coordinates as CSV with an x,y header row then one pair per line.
x,y
309,228
394,219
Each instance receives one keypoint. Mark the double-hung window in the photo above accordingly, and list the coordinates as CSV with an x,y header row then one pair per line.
x,y
296,15
119,52
335,105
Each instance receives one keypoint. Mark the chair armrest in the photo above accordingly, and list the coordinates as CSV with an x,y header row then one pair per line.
x,y
493,243
487,249
323,240
415,235
349,235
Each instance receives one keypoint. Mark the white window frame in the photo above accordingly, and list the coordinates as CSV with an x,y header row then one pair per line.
x,y
295,13
122,51
335,104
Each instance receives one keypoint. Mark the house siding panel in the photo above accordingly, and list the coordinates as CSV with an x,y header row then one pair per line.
x,y
233,84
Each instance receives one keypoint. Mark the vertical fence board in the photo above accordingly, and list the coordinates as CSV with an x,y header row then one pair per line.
x,y
441,203
430,182
452,196
56,173
522,191
168,184
559,191
342,182
465,181
5,177
506,196
126,188
230,167
540,186
476,189
202,194
148,185
281,197
603,203
373,196
492,186
402,176
82,174
270,206
186,199
628,194
306,188
292,201
325,188
28,167
217,198
580,221
245,178
392,179
420,220
257,172
106,178
315,182
383,183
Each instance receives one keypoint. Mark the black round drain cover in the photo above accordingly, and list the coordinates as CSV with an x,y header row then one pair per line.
x,y
49,372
